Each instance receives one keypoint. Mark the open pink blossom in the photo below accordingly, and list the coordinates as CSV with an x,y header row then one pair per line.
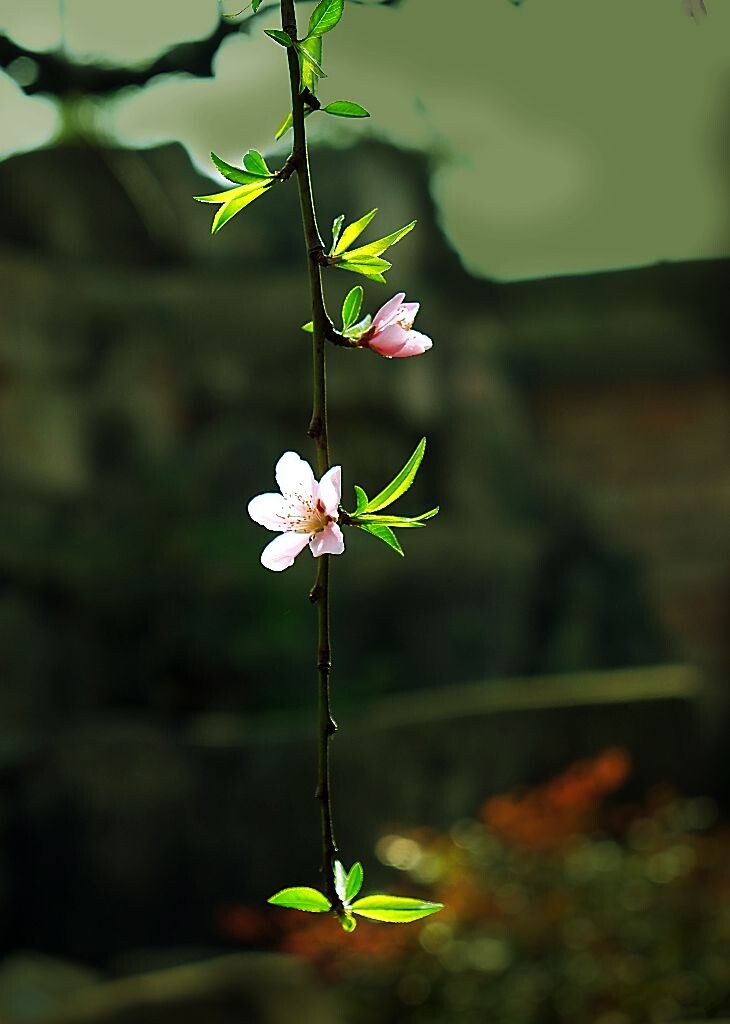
x,y
304,513
391,332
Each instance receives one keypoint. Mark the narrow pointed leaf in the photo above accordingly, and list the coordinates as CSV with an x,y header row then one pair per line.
x,y
284,126
336,229
353,231
301,897
310,59
233,193
381,244
309,77
282,38
400,522
340,879
236,174
255,4
361,498
234,206
394,909
351,306
325,16
345,108
368,266
383,533
255,163
400,483
353,883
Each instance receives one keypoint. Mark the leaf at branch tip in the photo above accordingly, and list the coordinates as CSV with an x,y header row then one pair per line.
x,y
401,482
340,876
255,4
255,163
345,108
399,522
381,244
361,499
301,897
353,883
282,38
336,229
311,60
353,231
383,533
394,909
235,174
325,16
308,327
351,307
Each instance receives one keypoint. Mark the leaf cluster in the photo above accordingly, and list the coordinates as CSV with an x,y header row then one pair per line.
x,y
390,909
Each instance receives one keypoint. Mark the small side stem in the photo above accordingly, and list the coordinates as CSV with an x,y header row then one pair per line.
x,y
320,593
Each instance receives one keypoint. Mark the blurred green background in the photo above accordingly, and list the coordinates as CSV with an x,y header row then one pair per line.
x,y
568,165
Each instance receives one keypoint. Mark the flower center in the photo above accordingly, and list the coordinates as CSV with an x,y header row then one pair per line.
x,y
404,319
308,518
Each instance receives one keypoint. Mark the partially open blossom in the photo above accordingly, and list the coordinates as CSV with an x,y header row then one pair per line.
x,y
391,332
304,513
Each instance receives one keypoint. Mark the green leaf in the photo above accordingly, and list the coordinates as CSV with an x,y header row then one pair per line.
x,y
345,108
401,482
234,174
336,229
282,38
309,327
340,879
353,231
325,16
301,897
394,909
234,206
361,498
357,330
308,74
383,533
368,266
353,882
255,163
310,59
400,522
381,244
255,4
348,922
284,126
232,193
351,306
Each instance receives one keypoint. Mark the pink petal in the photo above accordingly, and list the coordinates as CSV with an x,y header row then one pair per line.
x,y
282,551
328,541
416,344
269,510
410,309
387,312
295,479
389,341
330,490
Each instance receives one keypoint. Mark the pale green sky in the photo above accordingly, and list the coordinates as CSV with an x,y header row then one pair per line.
x,y
566,135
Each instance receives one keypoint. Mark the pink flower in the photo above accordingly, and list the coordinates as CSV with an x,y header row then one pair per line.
x,y
391,332
304,513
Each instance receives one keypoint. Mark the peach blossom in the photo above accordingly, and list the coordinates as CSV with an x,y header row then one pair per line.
x,y
391,333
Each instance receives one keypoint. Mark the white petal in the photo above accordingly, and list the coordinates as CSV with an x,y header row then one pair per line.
x,y
282,551
269,510
295,479
387,312
328,542
330,490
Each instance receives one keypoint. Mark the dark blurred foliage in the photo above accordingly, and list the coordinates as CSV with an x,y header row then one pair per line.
x,y
562,905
